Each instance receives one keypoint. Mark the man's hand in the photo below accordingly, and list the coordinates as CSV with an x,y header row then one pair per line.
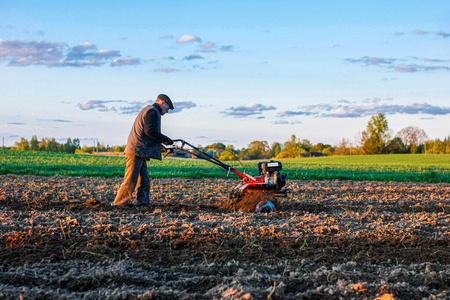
x,y
168,142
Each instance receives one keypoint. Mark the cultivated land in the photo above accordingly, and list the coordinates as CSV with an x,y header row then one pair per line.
x,y
59,238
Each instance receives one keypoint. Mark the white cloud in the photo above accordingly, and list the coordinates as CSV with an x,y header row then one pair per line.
x,y
419,32
126,61
366,60
324,110
83,47
134,107
247,110
227,48
100,105
290,113
130,107
179,106
87,51
165,70
27,53
410,65
284,122
193,56
443,34
187,38
20,52
412,68
208,45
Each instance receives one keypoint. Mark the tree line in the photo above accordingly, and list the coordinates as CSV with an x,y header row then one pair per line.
x,y
70,146
375,139
47,145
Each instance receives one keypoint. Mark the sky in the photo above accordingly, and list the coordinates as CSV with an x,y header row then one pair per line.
x,y
236,71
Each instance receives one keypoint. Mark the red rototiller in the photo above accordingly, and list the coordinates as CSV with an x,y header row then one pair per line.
x,y
261,189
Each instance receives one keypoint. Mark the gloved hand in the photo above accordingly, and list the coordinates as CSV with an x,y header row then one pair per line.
x,y
168,142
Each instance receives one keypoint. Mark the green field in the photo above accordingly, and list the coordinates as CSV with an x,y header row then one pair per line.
x,y
398,167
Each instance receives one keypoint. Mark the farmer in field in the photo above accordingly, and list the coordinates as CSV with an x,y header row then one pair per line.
x,y
144,143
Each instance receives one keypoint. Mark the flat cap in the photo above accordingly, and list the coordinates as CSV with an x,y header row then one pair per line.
x,y
166,99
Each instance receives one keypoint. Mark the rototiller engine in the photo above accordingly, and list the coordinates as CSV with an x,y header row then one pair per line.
x,y
253,193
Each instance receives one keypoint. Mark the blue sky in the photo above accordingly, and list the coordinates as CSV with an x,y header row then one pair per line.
x,y
237,71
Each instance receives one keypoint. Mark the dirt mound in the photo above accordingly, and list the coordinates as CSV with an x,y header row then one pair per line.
x,y
252,202
89,205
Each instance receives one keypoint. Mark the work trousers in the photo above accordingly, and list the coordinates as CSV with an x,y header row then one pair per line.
x,y
136,173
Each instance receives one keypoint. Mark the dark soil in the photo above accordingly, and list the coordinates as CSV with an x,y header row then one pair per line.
x,y
60,238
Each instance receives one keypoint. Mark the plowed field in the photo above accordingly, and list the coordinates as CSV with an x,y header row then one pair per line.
x,y
60,238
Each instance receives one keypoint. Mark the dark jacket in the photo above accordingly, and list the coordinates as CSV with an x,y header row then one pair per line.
x,y
145,137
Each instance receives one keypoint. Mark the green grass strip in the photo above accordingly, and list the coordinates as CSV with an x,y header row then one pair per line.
x,y
396,167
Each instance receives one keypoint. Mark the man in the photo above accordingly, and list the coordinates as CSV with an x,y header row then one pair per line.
x,y
144,142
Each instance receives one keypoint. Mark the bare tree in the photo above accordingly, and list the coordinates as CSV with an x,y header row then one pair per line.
x,y
343,147
412,135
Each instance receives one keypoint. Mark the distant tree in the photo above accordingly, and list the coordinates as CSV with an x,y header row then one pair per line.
x,y
447,144
317,147
257,150
71,145
23,144
67,147
290,149
342,148
119,148
306,145
216,146
100,147
52,146
76,143
413,149
43,144
412,135
275,149
323,148
215,149
395,146
302,152
87,149
34,143
227,154
376,135
358,144
437,146
328,150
